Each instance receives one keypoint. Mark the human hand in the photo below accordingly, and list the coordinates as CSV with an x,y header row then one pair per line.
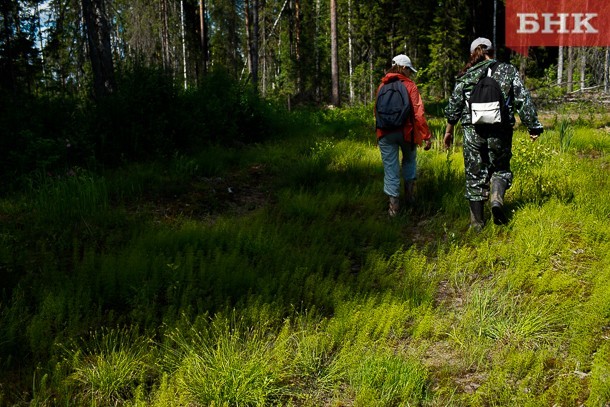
x,y
448,139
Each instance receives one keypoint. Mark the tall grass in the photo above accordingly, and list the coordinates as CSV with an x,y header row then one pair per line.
x,y
69,199
108,367
297,289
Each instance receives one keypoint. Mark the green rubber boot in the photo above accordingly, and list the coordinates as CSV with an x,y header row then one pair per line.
x,y
498,188
477,220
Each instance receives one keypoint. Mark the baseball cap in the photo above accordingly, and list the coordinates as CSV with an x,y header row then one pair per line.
x,y
480,41
403,60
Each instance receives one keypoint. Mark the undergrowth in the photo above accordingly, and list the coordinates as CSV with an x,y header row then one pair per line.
x,y
270,274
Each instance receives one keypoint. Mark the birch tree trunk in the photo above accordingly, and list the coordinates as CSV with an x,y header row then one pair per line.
x,y
350,51
607,70
165,35
334,54
183,39
570,69
40,40
560,66
583,68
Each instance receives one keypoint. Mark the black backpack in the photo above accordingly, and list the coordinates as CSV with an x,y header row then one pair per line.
x,y
393,106
488,108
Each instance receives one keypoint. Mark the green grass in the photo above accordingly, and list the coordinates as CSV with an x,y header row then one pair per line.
x,y
272,275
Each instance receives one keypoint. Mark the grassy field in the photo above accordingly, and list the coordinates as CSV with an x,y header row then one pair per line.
x,y
271,275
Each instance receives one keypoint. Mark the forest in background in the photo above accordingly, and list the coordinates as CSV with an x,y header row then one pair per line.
x,y
101,82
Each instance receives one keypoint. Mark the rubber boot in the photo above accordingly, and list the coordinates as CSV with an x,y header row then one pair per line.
x,y
476,215
410,191
498,188
394,206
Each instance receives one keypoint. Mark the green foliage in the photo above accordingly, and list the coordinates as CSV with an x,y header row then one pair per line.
x,y
70,199
221,364
445,51
148,118
503,317
566,134
296,289
40,133
380,377
108,367
600,377
535,178
545,88
137,121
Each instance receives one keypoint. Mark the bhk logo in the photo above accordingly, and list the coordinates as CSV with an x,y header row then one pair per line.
x,y
560,23
578,23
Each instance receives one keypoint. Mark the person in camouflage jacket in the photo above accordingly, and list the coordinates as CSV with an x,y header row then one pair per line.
x,y
487,154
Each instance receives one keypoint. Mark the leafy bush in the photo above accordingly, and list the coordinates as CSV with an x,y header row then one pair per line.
x,y
40,133
147,118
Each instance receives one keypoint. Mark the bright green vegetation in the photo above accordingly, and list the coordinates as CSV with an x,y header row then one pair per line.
x,y
271,275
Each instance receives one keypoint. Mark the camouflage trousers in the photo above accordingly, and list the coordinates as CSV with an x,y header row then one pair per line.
x,y
486,156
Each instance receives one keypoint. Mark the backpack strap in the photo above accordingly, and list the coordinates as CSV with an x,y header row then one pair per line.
x,y
412,117
491,68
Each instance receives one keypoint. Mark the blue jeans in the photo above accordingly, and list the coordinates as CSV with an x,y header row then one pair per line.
x,y
389,145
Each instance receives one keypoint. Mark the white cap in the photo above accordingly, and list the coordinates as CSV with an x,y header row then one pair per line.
x,y
480,41
403,60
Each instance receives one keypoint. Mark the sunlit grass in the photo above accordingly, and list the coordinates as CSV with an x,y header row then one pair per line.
x,y
108,367
315,297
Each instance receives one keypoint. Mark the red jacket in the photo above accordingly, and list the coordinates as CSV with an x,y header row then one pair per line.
x,y
416,127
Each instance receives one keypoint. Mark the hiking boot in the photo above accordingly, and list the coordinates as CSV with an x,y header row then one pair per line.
x,y
394,206
498,188
476,215
410,191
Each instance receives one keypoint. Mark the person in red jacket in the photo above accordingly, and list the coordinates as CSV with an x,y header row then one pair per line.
x,y
405,139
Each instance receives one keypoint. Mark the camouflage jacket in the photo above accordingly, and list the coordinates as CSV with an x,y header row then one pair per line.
x,y
513,89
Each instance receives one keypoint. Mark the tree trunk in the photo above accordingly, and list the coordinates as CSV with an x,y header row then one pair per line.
x,y
372,88
40,40
100,53
560,66
350,52
203,34
583,67
570,69
318,91
248,34
183,39
334,54
264,51
165,35
9,82
297,45
255,39
607,70
251,15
